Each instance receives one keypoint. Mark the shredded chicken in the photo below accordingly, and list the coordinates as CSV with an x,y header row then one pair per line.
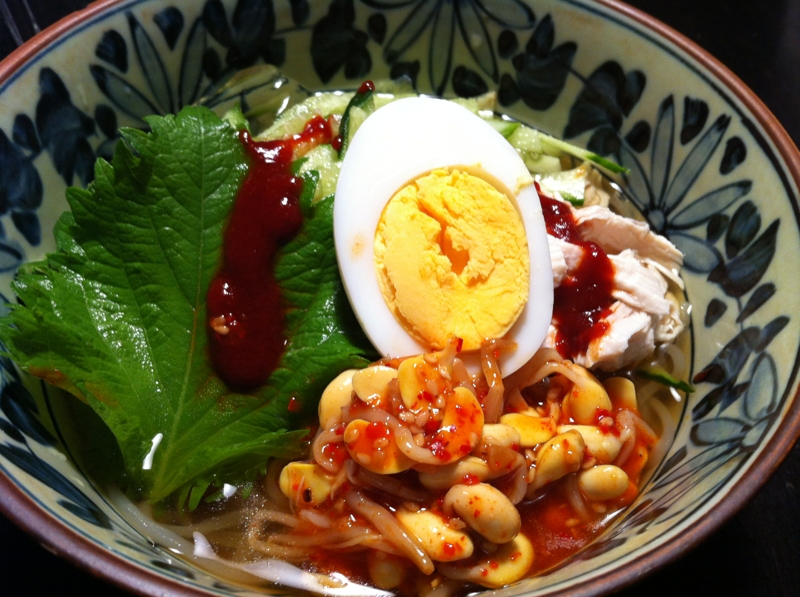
x,y
645,313
615,233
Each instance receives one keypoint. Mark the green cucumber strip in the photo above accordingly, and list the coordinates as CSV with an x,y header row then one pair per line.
x,y
583,154
576,201
659,375
363,100
504,127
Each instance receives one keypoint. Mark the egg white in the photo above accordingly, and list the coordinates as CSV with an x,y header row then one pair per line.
x,y
398,143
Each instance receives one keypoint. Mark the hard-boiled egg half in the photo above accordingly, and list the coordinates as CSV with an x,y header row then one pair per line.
x,y
439,233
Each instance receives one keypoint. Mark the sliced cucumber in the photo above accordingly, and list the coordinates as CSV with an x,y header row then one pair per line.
x,y
399,87
555,146
236,119
575,201
660,375
361,105
504,127
293,120
571,184
486,103
325,160
527,140
540,163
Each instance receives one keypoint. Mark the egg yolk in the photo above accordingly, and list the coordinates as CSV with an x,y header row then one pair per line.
x,y
452,258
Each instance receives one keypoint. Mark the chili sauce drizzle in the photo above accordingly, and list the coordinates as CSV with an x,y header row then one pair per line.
x,y
583,300
245,314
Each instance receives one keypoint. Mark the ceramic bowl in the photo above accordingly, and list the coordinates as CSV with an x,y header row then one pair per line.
x,y
709,168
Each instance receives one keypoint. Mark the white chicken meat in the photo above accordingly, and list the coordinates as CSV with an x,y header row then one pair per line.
x,y
645,313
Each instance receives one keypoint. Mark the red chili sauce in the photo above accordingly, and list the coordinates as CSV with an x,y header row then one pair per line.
x,y
583,300
245,312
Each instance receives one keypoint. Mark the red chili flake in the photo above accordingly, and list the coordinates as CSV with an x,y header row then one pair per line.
x,y
476,514
425,395
439,449
494,565
459,344
334,453
339,429
449,549
465,449
376,431
515,555
484,572
600,413
294,405
470,479
295,486
431,426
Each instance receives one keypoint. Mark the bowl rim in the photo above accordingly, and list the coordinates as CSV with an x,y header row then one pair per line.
x,y
59,539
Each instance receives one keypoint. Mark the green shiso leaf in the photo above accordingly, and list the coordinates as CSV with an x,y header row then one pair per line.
x,y
117,314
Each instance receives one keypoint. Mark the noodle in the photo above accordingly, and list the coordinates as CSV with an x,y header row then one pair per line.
x,y
678,359
493,402
316,518
324,438
517,486
281,572
573,494
644,429
668,430
386,524
330,539
282,518
211,525
165,538
361,477
527,374
628,436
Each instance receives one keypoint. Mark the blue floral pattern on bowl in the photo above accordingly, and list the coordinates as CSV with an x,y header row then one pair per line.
x,y
700,171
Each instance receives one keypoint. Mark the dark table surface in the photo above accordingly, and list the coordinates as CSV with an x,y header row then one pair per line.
x,y
757,552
